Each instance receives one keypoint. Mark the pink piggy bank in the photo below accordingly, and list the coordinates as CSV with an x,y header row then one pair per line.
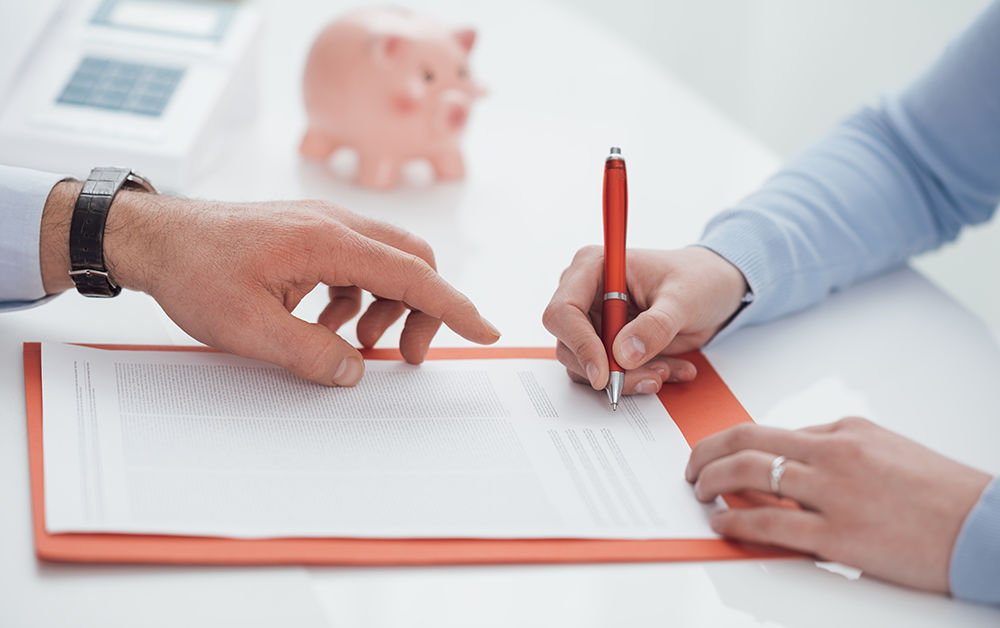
x,y
394,86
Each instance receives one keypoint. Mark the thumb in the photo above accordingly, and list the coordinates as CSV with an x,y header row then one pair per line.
x,y
647,334
309,350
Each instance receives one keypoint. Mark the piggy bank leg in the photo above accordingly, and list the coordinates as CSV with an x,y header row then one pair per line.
x,y
448,165
317,145
378,171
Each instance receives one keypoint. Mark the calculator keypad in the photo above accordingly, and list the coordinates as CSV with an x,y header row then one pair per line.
x,y
121,86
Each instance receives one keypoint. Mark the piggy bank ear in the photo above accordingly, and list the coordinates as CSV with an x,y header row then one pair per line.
x,y
387,48
466,38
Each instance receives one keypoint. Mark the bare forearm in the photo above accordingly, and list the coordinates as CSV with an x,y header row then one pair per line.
x,y
54,238
128,236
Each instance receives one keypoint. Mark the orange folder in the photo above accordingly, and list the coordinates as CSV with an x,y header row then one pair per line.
x,y
699,408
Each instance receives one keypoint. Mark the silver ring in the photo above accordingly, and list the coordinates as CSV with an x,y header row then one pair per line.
x,y
615,295
777,470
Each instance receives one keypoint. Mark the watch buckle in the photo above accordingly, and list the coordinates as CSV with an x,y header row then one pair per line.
x,y
93,272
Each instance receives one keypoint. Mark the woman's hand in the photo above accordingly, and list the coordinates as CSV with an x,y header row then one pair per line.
x,y
678,300
870,498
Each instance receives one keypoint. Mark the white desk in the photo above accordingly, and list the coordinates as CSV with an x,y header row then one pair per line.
x,y
562,90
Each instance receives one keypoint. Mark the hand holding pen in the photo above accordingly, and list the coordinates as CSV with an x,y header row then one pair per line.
x,y
677,301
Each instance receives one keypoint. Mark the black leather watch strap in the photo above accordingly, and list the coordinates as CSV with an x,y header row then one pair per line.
x,y
86,231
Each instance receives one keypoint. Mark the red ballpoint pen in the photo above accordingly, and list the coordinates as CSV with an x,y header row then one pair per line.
x,y
614,310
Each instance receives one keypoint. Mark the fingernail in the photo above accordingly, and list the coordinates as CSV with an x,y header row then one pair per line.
x,y
349,372
687,473
634,349
647,387
683,374
591,373
492,328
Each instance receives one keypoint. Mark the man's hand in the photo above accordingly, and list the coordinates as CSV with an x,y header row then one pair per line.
x,y
870,498
229,274
677,301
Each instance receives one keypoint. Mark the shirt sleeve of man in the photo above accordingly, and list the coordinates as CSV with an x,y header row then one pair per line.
x,y
23,194
888,183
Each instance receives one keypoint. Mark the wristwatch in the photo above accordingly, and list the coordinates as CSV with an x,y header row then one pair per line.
x,y
86,231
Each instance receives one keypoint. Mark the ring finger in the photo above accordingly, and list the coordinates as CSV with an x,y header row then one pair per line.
x,y
750,469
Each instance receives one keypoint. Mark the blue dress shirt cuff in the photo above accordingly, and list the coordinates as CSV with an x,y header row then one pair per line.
x,y
23,194
975,561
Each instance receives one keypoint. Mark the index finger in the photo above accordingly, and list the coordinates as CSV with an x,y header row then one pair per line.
x,y
566,317
392,235
394,274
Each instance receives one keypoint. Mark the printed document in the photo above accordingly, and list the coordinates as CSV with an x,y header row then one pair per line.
x,y
199,443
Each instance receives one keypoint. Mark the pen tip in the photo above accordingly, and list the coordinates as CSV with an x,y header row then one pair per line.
x,y
615,150
614,407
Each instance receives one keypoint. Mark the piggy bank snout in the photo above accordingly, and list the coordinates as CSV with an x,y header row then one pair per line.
x,y
455,106
456,116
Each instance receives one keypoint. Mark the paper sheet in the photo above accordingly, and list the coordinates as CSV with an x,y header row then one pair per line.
x,y
201,443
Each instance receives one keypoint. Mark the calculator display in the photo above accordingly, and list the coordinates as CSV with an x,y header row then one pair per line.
x,y
190,19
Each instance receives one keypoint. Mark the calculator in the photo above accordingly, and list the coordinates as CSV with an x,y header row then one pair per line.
x,y
161,86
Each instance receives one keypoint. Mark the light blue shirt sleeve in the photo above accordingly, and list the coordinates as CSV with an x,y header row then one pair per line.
x,y
975,559
886,184
23,194
889,182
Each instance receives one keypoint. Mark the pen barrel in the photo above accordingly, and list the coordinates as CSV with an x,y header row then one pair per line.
x,y
614,312
615,222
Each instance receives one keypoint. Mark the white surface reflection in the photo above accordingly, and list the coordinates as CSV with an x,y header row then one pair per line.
x,y
748,593
827,398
